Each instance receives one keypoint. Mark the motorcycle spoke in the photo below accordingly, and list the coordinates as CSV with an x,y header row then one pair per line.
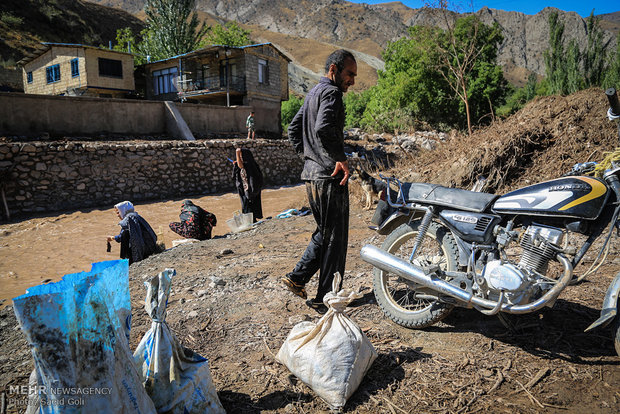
x,y
406,302
403,294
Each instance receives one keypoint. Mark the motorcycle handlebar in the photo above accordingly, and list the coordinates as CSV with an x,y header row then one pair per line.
x,y
614,110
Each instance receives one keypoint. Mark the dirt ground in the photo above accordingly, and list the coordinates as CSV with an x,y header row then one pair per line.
x,y
468,363
228,305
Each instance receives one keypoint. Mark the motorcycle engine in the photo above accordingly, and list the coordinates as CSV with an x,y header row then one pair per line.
x,y
517,281
538,247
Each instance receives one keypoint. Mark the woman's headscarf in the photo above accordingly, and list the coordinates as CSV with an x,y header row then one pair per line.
x,y
124,208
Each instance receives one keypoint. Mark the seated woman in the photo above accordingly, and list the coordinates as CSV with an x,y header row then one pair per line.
x,y
196,223
137,238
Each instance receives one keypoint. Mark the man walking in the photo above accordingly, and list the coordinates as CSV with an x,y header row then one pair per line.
x,y
316,133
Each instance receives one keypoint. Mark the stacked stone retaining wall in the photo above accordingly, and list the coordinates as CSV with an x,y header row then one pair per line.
x,y
53,176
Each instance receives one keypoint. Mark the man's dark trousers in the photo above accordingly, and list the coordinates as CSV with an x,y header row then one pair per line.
x,y
327,250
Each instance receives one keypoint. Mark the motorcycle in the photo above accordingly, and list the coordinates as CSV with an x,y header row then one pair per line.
x,y
508,254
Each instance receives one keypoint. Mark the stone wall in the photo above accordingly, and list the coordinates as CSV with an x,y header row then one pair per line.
x,y
51,176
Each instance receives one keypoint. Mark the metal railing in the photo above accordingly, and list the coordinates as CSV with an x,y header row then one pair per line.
x,y
213,84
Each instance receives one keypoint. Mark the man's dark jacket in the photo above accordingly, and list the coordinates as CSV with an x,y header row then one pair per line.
x,y
317,131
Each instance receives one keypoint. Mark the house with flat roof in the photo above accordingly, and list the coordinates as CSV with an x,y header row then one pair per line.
x,y
78,70
252,75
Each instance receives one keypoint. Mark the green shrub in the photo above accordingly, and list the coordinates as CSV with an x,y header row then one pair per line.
x,y
289,109
10,19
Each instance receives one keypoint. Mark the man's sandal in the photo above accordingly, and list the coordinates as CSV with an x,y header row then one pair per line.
x,y
296,288
317,306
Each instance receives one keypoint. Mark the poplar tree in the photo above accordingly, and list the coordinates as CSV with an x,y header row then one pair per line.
x,y
595,53
172,28
612,73
554,56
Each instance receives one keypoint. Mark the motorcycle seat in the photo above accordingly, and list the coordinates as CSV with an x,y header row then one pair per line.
x,y
425,193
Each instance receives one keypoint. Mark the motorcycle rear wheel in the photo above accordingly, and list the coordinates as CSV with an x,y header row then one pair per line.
x,y
396,296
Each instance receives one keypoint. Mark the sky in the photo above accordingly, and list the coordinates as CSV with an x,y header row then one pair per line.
x,y
581,7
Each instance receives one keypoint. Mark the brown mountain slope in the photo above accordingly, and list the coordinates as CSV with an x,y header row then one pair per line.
x,y
62,21
311,55
368,28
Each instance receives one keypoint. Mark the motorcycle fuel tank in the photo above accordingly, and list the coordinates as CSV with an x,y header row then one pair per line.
x,y
581,197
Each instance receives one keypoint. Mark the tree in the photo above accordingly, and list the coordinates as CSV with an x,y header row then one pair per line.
x,y
126,42
231,34
172,28
468,53
612,72
289,109
572,69
424,71
410,92
594,55
554,56
355,104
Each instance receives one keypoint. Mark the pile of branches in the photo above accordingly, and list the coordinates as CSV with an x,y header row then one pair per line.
x,y
540,142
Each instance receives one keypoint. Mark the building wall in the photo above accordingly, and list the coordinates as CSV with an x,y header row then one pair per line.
x,y
56,55
150,89
33,115
266,97
273,87
48,177
95,80
88,72
267,118
214,119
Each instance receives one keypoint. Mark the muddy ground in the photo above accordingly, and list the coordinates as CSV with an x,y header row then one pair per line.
x,y
467,363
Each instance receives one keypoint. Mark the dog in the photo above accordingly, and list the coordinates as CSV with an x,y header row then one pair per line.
x,y
372,187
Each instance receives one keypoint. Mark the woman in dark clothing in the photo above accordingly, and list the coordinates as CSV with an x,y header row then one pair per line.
x,y
137,238
196,223
249,181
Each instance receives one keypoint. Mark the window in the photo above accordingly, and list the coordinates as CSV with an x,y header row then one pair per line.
x,y
228,73
52,73
29,77
263,71
75,67
110,68
165,81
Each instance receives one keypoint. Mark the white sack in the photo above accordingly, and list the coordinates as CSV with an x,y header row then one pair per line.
x,y
333,355
177,379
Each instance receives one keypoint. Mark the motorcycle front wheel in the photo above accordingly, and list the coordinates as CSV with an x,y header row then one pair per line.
x,y
401,300
616,332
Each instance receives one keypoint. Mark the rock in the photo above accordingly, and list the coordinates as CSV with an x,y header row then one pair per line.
x,y
217,281
295,319
202,292
428,144
226,251
192,314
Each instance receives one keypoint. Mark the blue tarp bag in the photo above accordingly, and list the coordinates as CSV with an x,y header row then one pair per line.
x,y
78,329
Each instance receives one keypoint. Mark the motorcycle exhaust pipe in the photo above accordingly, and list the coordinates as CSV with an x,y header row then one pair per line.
x,y
392,264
